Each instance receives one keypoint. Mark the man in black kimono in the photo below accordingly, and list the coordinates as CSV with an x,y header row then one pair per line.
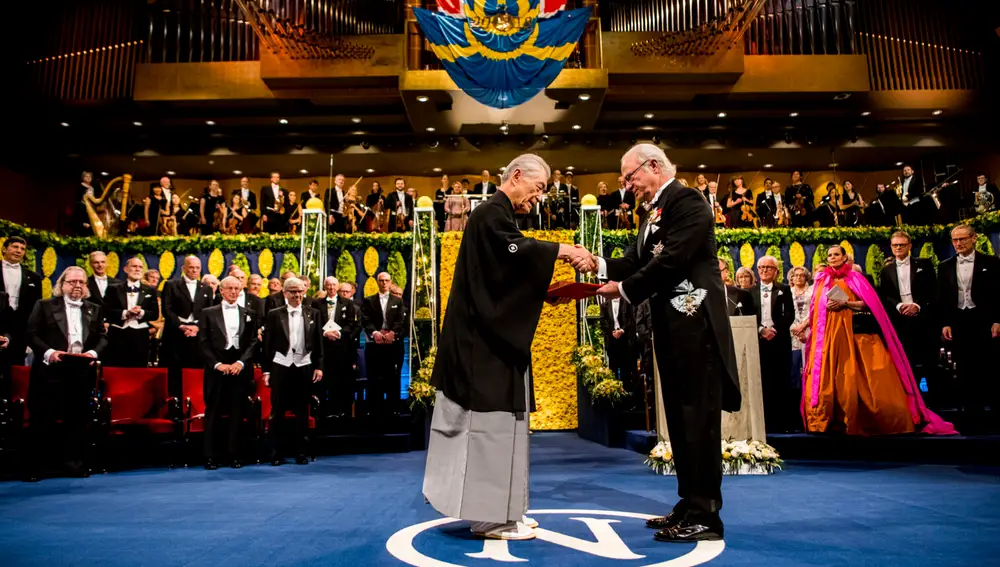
x,y
477,457
673,263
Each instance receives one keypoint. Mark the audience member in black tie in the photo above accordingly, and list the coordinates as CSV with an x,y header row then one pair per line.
x,y
618,327
574,201
254,284
293,360
98,283
908,290
485,187
339,352
333,202
775,315
399,341
970,317
227,337
247,195
23,288
440,195
246,298
799,199
277,297
918,207
382,318
273,199
129,307
399,203
66,334
739,302
6,314
183,301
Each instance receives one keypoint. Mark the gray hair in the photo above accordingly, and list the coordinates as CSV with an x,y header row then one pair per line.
x,y
209,278
762,258
649,152
292,281
96,253
336,282
57,290
528,164
745,270
230,279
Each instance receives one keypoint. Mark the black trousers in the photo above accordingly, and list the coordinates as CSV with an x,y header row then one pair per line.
x,y
622,359
977,386
178,352
225,396
60,409
691,376
127,348
290,388
382,387
781,404
339,380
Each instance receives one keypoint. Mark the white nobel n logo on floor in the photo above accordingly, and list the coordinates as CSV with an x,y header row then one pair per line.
x,y
607,543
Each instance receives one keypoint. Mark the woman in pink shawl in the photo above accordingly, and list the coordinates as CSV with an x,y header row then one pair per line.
x,y
852,382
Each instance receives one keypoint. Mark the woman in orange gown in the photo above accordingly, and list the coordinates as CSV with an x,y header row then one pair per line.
x,y
853,382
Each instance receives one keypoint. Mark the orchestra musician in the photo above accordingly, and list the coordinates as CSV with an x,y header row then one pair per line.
x,y
767,205
271,204
916,209
457,208
623,203
799,197
828,213
400,208
851,205
884,209
375,218
294,213
235,215
354,214
739,202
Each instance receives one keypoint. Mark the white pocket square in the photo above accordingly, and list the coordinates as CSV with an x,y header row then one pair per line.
x,y
781,292
653,228
919,270
395,307
248,318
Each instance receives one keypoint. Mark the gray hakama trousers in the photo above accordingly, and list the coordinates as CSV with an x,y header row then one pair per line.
x,y
477,463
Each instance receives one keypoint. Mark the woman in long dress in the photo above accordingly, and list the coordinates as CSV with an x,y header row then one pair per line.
x,y
852,382
456,208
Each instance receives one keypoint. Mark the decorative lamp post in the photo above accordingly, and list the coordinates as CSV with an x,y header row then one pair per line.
x,y
312,247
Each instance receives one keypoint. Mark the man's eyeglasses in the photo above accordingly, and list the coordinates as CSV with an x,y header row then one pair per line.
x,y
762,268
962,238
898,245
75,283
628,177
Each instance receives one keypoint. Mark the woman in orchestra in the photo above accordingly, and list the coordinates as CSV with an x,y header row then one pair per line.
x,y
353,216
294,213
212,209
236,214
456,208
850,205
155,207
828,212
376,218
739,200
170,216
701,183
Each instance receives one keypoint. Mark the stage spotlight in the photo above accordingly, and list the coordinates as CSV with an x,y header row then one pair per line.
x,y
545,138
283,121
436,170
210,122
866,113
356,120
365,144
434,143
455,143
64,124
722,115
104,174
788,137
656,140
584,97
422,98
370,170
855,138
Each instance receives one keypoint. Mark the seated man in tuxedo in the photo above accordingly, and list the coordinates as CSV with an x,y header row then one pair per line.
x,y
184,299
339,351
66,333
775,315
129,307
98,283
227,335
908,290
382,316
293,359
739,302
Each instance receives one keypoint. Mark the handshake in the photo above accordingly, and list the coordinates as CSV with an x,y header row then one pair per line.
x,y
579,257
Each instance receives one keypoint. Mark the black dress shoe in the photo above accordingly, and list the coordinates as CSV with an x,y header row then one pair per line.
x,y
686,532
301,460
663,522
237,465
210,465
277,462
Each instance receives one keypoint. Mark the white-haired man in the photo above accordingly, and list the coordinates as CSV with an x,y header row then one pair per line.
x,y
66,334
98,283
673,264
382,315
227,334
775,315
183,301
477,457
292,361
129,308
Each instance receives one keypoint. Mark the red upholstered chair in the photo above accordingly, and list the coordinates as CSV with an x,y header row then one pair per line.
x,y
14,413
262,395
135,401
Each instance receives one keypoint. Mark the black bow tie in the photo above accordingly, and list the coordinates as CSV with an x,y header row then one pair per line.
x,y
133,289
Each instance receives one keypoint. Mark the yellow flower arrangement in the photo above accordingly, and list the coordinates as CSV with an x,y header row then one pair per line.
x,y
797,255
371,261
49,262
114,263
265,263
746,255
167,265
216,263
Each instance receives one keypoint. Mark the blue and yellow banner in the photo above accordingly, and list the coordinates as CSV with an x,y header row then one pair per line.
x,y
503,52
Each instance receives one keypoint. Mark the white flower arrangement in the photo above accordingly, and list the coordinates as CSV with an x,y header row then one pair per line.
x,y
738,457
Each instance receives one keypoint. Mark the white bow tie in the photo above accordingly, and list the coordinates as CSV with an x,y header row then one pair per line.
x,y
228,305
903,262
295,311
71,303
966,259
7,264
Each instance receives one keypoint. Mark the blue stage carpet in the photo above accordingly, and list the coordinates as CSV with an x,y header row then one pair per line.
x,y
342,510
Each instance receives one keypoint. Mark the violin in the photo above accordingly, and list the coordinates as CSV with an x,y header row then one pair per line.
x,y
720,216
747,213
624,219
400,218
